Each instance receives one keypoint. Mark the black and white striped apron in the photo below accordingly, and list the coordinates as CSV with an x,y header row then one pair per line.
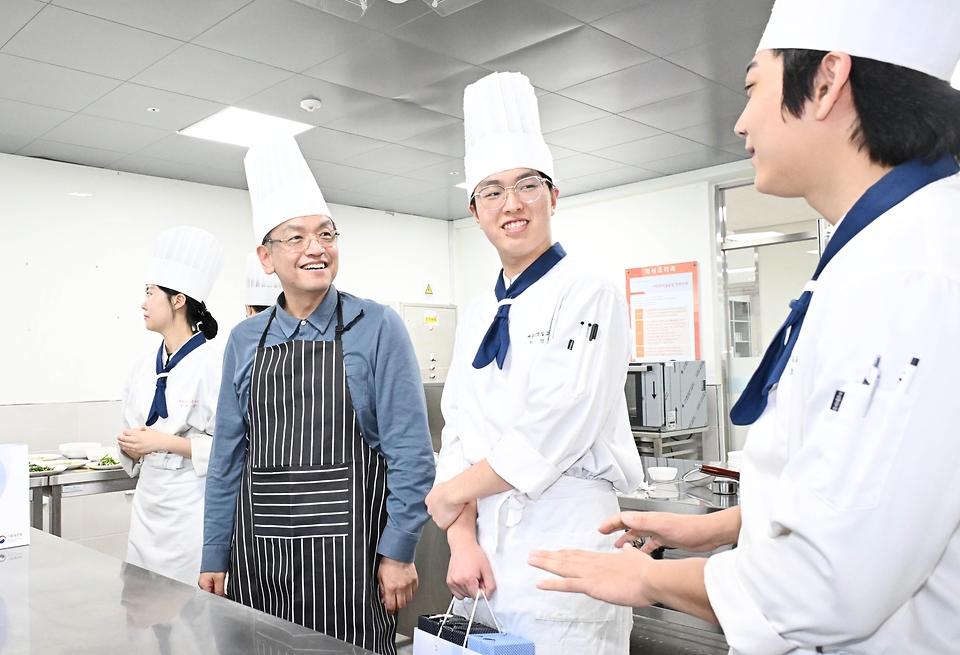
x,y
311,507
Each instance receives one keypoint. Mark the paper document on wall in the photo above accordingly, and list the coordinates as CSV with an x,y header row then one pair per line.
x,y
664,311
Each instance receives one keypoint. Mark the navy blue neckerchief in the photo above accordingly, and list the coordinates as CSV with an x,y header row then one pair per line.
x,y
158,409
898,184
497,339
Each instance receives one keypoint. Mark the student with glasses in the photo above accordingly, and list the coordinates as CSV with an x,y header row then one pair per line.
x,y
322,456
536,437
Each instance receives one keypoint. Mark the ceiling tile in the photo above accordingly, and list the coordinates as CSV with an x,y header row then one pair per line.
x,y
447,204
639,152
668,26
95,132
155,167
357,199
486,30
445,96
397,187
29,120
129,103
446,173
387,67
11,143
558,112
218,178
637,86
580,165
180,19
561,153
298,37
609,179
69,153
211,75
690,109
691,161
387,16
339,176
570,189
717,134
332,146
199,152
724,60
601,133
395,159
598,54
74,40
16,14
46,85
592,10
283,100
394,122
447,141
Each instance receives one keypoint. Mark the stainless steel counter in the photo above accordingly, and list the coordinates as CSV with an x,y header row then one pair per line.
x,y
67,484
59,597
678,497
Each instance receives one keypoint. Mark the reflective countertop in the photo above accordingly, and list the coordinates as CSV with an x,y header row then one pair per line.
x,y
59,597
676,497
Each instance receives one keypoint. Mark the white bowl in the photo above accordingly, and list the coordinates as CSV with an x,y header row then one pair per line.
x,y
96,454
661,473
77,449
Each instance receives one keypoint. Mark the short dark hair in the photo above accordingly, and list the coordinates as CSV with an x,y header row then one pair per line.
x,y
258,308
198,316
903,114
550,185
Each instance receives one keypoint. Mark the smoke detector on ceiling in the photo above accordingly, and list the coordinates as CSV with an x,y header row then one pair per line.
x,y
310,104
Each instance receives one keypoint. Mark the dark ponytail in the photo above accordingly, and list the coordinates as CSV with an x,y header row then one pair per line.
x,y
198,316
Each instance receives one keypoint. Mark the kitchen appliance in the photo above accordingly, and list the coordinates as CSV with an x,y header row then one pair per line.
x,y
666,396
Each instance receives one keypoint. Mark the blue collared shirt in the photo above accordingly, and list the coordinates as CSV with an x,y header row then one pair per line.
x,y
387,393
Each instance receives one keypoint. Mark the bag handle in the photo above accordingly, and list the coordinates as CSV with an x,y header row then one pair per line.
x,y
480,592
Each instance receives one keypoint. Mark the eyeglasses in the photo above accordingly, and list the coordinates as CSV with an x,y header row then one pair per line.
x,y
494,196
300,242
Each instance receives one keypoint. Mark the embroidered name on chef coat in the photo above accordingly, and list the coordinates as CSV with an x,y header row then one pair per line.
x,y
539,337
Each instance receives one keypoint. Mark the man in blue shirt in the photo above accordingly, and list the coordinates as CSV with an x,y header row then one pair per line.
x,y
322,456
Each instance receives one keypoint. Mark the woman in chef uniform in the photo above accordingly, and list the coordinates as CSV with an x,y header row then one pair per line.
x,y
169,406
537,435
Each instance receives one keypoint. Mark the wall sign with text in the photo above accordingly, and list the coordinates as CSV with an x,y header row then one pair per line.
x,y
664,311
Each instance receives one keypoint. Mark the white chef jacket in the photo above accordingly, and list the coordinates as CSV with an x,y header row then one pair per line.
x,y
850,538
553,423
166,526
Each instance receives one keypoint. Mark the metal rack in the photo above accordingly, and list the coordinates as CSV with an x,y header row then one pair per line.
x,y
678,444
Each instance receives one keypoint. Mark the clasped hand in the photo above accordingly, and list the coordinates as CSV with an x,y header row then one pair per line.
x,y
442,506
141,441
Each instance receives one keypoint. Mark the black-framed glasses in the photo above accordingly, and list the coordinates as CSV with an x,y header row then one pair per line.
x,y
493,196
300,242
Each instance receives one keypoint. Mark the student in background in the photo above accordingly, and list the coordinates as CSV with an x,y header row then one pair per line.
x,y
169,406
262,289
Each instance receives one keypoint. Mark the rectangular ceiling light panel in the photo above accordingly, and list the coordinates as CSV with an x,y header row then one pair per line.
x,y
242,127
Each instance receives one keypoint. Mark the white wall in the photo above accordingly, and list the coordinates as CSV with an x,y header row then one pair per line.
x,y
663,221
71,278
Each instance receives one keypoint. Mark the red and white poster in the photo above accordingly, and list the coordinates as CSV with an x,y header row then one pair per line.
x,y
664,311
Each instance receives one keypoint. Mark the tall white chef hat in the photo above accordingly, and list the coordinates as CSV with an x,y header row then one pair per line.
x,y
501,123
281,185
262,289
188,260
923,36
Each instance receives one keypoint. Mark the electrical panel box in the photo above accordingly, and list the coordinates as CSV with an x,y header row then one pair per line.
x,y
433,330
667,396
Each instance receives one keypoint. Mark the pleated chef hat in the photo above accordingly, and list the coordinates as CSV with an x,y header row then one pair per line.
x,y
281,185
262,289
501,123
923,35
188,260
